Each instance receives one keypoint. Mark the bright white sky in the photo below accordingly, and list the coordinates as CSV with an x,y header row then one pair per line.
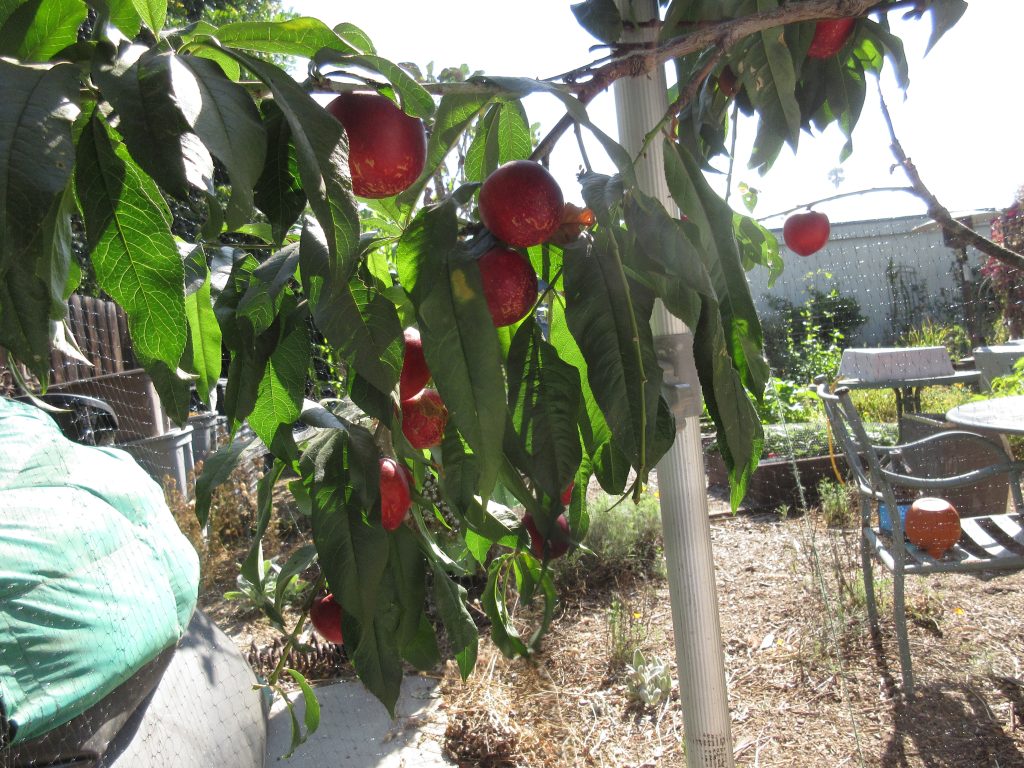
x,y
961,123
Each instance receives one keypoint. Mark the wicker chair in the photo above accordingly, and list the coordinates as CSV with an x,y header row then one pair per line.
x,y
988,543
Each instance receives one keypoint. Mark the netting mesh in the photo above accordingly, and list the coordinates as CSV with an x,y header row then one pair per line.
x,y
913,323
75,688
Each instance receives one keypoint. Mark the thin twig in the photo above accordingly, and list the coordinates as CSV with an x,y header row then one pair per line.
x,y
839,196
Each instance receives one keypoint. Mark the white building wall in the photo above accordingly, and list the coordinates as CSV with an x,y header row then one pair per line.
x,y
889,266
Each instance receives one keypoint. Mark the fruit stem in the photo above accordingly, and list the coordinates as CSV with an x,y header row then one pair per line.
x,y
289,644
583,149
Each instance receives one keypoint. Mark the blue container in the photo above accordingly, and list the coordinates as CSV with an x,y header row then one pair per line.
x,y
884,522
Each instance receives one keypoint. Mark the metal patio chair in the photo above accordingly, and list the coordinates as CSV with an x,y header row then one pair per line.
x,y
988,543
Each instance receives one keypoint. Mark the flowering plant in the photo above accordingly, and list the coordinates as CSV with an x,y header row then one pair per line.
x,y
1008,282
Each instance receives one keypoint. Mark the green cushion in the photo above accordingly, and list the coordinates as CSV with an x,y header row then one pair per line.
x,y
95,577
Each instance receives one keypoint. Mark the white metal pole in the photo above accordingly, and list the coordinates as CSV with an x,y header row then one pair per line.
x,y
640,103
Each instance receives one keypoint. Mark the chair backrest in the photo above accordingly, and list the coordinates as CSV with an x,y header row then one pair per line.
x,y
957,455
863,457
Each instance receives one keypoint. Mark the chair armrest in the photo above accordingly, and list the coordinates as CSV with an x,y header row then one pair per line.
x,y
968,478
952,436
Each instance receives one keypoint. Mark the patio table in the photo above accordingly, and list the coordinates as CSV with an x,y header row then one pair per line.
x,y
908,388
1004,415
904,370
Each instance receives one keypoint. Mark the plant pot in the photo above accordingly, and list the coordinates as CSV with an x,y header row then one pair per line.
x,y
774,482
204,434
166,455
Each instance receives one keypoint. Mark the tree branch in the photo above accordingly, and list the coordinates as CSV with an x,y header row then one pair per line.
x,y
631,61
939,213
839,196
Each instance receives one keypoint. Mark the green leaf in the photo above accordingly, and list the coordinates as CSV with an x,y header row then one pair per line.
x,y
544,399
893,48
36,150
261,301
450,599
459,342
415,99
354,552
135,257
945,15
193,42
459,483
503,632
217,468
765,64
278,192
845,89
354,37
454,114
519,87
355,318
600,18
302,36
280,393
152,12
502,136
610,466
300,560
36,157
204,331
322,154
609,317
311,707
758,246
149,97
223,115
252,568
24,326
416,639
38,29
713,219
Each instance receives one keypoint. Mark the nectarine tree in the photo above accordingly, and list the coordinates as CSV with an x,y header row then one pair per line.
x,y
103,132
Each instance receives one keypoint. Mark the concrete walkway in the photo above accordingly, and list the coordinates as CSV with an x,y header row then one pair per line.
x,y
356,731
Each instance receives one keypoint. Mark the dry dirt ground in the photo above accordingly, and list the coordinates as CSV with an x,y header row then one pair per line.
x,y
806,684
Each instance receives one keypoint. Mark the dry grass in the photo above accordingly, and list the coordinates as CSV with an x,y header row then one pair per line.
x,y
807,687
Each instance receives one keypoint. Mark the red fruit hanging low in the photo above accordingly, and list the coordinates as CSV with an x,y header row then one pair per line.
x,y
415,373
395,498
424,418
325,614
387,148
557,545
806,233
509,283
521,203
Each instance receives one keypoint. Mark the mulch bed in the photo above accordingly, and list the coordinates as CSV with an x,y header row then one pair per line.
x,y
807,687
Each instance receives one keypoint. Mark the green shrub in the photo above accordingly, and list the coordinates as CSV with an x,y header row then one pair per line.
x,y
877,405
804,341
786,401
623,538
931,334
839,506
804,439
